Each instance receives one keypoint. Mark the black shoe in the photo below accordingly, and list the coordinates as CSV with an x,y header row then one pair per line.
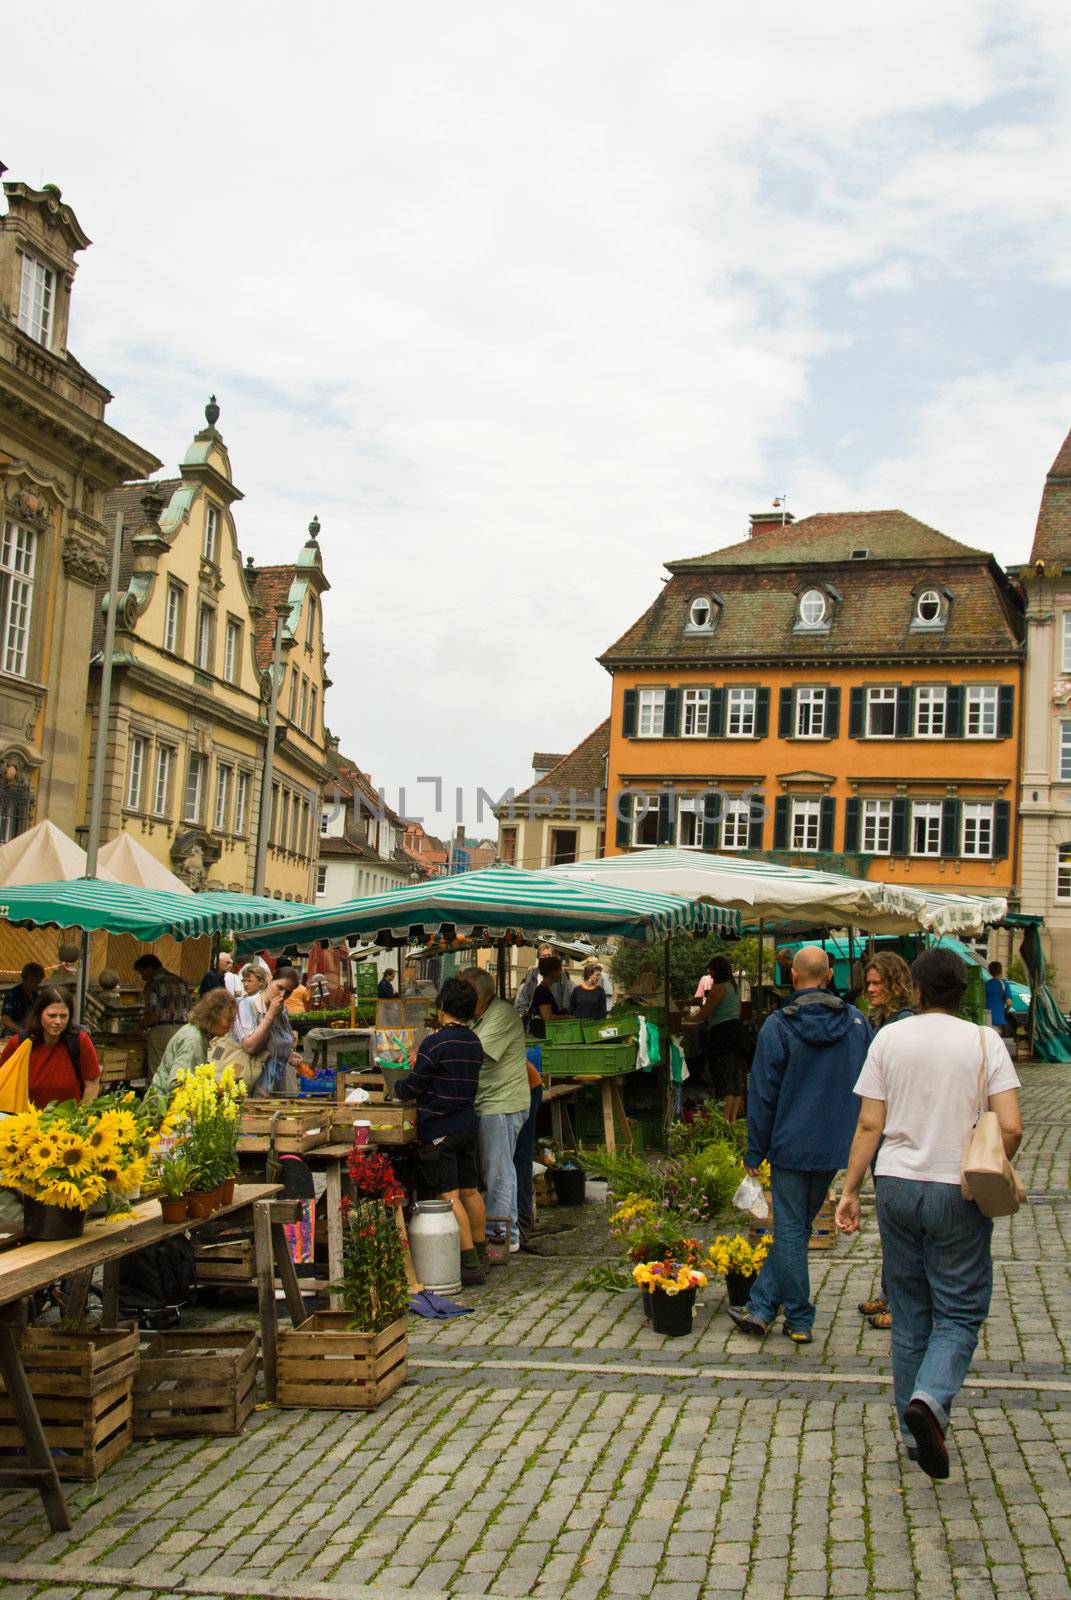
x,y
746,1323
471,1276
931,1452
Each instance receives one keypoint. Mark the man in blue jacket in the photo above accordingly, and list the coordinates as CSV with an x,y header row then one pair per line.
x,y
802,1113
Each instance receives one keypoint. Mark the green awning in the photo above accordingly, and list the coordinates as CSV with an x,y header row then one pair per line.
x,y
492,902
147,914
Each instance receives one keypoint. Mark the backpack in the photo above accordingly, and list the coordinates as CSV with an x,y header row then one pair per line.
x,y
154,1282
73,1041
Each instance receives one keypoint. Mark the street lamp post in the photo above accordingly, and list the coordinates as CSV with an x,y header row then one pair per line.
x,y
261,869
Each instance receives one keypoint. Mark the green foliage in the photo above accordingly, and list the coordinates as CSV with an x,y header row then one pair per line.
x,y
1017,973
688,959
610,1279
625,1172
373,1266
707,1127
719,1169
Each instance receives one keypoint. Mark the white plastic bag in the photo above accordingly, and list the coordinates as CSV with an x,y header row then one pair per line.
x,y
751,1198
358,1097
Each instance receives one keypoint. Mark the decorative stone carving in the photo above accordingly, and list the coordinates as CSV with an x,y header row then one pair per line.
x,y
1061,693
83,562
30,726
193,855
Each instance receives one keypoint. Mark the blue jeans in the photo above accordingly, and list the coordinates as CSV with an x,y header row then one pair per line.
x,y
939,1269
785,1279
498,1141
524,1155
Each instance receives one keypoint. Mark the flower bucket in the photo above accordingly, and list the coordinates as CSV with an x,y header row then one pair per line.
x,y
50,1222
174,1209
201,1204
569,1185
738,1288
671,1314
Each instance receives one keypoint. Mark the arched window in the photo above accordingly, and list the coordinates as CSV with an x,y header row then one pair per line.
x,y
814,608
700,612
928,607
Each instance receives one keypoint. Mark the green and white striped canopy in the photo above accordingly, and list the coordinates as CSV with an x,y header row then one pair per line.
x,y
492,902
769,892
147,914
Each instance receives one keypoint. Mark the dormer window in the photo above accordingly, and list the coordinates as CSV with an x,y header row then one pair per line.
x,y
702,614
37,287
931,607
814,609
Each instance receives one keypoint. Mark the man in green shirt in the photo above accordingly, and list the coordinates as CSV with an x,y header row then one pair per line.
x,y
502,1099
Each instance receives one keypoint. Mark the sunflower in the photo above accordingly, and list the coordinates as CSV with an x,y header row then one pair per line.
x,y
65,1193
74,1156
101,1141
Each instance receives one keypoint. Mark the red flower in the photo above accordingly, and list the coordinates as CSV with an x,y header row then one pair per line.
x,y
373,1175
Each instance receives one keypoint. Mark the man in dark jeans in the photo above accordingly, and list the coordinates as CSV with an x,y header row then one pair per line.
x,y
523,1156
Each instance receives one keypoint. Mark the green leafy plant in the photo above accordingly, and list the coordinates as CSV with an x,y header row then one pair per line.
x,y
172,1173
373,1282
708,1126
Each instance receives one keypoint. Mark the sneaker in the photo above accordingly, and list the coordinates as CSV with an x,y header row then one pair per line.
x,y
514,1247
746,1323
932,1453
797,1335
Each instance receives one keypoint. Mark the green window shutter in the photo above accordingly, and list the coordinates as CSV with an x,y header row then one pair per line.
x,y
756,824
898,832
711,822
832,713
954,712
665,819
855,714
623,828
628,714
762,713
716,725
827,822
903,725
1001,829
784,714
1005,711
671,720
950,827
780,823
852,810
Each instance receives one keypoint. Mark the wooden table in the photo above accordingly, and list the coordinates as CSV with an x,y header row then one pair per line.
x,y
613,1110
27,1267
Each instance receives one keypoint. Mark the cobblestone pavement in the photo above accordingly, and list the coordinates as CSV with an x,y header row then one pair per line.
x,y
552,1446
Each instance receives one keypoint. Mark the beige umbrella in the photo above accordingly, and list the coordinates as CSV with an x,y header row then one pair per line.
x,y
43,855
126,861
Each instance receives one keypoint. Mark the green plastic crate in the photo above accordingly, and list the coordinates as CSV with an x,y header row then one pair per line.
x,y
589,1060
564,1030
610,1028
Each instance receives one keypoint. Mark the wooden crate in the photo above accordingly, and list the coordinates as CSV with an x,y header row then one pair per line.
x,y
199,1382
393,1122
823,1232
83,1386
298,1128
325,1364
230,1262
119,1063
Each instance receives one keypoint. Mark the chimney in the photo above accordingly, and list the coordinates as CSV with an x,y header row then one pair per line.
x,y
763,521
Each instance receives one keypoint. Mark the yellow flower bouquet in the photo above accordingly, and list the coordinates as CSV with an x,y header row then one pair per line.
x,y
734,1255
667,1277
200,1138
71,1155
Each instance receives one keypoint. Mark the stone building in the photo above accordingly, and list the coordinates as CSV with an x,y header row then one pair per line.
x,y
191,686
361,839
561,816
58,460
1045,803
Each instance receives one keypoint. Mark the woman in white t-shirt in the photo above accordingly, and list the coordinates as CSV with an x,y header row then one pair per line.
x,y
919,1092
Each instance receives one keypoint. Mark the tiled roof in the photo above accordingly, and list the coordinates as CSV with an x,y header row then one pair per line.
x,y
830,537
127,500
1052,536
582,770
271,589
541,760
872,620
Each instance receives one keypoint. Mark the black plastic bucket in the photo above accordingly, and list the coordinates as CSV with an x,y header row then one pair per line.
x,y
569,1185
671,1314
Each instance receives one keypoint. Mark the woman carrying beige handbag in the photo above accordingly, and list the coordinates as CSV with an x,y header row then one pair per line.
x,y
919,1087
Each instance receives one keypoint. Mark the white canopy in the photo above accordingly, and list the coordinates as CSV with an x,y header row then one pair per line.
x,y
127,861
43,855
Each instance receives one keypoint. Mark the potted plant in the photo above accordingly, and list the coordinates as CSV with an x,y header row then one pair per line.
x,y
204,1117
355,1358
738,1262
672,1285
172,1173
649,1232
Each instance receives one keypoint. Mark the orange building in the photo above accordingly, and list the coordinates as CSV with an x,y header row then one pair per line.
x,y
842,691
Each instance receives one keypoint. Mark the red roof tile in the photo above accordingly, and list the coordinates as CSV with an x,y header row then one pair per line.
x,y
1052,536
582,771
271,589
831,536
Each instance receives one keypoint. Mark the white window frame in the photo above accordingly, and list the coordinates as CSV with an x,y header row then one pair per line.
x,y
638,821
294,675
224,778
1064,762
210,547
805,820
816,602
690,807
135,777
196,772
740,711
931,595
976,830
18,560
241,802
930,814
707,624
203,644
810,709
931,711
161,783
232,643
877,827
983,699
695,710
736,825
173,617
1065,643
880,696
321,880
1063,873
37,299
650,713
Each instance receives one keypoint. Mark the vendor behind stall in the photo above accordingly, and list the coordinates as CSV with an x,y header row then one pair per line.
x,y
63,1062
165,1000
443,1083
588,999
544,1001
18,1002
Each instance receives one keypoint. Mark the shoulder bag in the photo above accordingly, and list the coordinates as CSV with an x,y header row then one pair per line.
x,y
227,1052
988,1177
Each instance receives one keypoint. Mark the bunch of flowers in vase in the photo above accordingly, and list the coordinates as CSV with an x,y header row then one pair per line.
x,y
373,1284
72,1156
738,1262
202,1126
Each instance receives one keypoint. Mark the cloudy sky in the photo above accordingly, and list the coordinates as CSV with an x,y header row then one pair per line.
x,y
523,300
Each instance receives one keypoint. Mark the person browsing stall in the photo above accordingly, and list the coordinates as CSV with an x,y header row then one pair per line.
x,y
544,1000
19,1001
63,1062
890,997
210,1018
503,1104
444,1083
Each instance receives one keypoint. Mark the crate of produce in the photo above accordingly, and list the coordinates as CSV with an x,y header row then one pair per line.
x,y
589,1060
325,1364
607,1029
564,1030
204,1381
226,1262
392,1122
119,1062
296,1127
83,1386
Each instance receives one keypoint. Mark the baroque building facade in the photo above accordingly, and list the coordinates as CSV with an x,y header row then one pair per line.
x,y
59,458
192,682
